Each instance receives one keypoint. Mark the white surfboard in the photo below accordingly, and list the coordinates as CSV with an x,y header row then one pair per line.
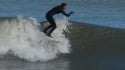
x,y
47,37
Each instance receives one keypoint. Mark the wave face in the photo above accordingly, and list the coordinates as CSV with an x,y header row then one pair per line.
x,y
22,38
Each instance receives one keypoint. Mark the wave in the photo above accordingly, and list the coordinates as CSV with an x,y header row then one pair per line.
x,y
22,38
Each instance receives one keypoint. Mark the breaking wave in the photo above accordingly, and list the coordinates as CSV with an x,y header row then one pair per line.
x,y
22,38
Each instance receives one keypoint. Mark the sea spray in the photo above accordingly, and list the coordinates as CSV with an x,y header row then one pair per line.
x,y
22,37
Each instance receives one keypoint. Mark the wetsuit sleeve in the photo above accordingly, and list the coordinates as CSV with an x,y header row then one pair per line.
x,y
64,13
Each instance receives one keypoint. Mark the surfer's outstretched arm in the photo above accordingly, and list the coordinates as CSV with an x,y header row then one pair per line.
x,y
64,13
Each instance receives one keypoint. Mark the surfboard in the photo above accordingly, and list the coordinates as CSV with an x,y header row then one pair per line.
x,y
47,37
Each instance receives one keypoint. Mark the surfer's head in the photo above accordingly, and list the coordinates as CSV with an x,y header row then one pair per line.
x,y
64,5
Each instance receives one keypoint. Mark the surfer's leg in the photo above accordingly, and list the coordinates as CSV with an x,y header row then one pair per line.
x,y
45,30
53,25
49,20
52,29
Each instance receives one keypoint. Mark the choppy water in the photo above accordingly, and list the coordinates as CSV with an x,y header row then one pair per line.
x,y
93,47
87,47
23,38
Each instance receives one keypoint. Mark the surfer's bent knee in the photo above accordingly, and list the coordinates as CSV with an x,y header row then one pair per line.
x,y
54,26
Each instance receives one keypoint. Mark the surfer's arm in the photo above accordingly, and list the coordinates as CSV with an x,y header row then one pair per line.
x,y
64,13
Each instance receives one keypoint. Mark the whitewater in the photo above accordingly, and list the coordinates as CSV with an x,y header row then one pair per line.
x,y
22,37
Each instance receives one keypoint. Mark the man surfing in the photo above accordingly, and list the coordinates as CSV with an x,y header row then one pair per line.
x,y
49,16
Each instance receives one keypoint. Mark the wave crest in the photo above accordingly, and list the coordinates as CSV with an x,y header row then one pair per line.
x,y
22,36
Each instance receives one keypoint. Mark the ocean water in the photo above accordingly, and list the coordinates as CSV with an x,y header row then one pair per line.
x,y
101,12
22,42
78,45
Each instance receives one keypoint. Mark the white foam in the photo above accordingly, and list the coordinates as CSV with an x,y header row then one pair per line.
x,y
23,38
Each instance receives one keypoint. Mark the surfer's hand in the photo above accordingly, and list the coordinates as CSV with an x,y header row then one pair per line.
x,y
72,12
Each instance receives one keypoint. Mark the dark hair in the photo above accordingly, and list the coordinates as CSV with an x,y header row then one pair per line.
x,y
63,4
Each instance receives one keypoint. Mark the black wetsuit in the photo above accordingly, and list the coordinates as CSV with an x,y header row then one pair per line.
x,y
49,17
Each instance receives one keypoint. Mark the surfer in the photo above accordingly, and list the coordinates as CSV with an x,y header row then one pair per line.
x,y
49,16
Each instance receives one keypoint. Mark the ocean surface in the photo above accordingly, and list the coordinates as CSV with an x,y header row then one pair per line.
x,y
93,38
101,12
